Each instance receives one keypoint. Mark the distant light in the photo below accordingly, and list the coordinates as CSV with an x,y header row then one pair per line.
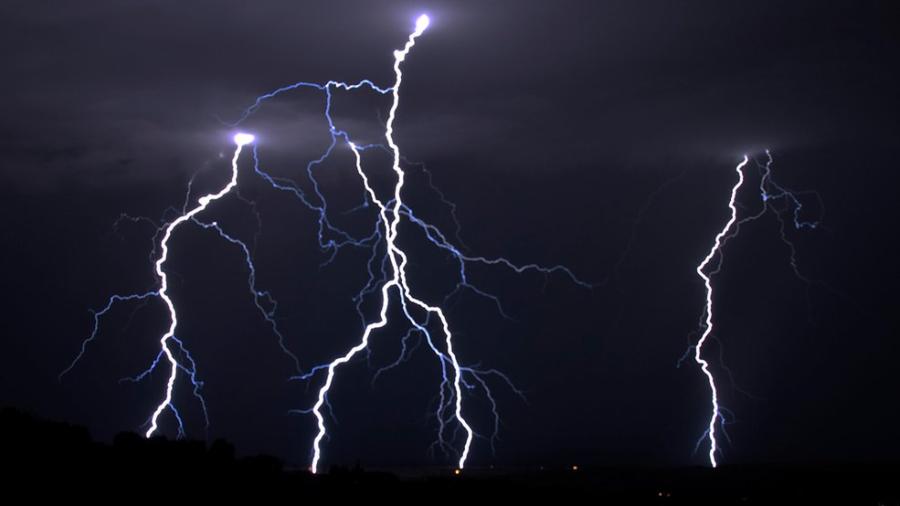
x,y
575,468
242,138
456,472
422,23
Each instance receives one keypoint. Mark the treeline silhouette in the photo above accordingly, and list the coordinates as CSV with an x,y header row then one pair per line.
x,y
43,458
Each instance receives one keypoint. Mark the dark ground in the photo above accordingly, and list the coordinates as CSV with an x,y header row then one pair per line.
x,y
44,458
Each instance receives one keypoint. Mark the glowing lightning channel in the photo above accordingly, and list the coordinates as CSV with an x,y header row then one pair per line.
x,y
240,139
770,193
391,274
398,271
708,325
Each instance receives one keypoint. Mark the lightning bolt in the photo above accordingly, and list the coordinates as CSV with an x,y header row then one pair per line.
x,y
390,278
708,324
240,140
392,273
188,366
770,193
398,279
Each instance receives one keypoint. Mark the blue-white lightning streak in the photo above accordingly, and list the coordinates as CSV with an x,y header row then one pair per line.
x,y
96,329
398,272
391,212
456,377
190,370
190,367
770,192
708,326
240,140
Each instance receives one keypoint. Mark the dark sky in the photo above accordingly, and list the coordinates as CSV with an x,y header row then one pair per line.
x,y
599,135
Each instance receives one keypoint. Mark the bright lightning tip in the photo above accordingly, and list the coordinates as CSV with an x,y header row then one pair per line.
x,y
422,23
242,138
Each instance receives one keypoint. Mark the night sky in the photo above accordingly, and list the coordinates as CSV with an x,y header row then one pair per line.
x,y
598,135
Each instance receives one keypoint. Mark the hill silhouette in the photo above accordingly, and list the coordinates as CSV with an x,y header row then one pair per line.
x,y
43,458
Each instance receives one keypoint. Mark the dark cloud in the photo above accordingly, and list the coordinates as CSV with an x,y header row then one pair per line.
x,y
128,82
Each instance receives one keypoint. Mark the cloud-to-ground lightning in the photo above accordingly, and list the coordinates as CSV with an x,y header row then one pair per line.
x,y
386,267
708,324
398,274
392,273
241,139
770,192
